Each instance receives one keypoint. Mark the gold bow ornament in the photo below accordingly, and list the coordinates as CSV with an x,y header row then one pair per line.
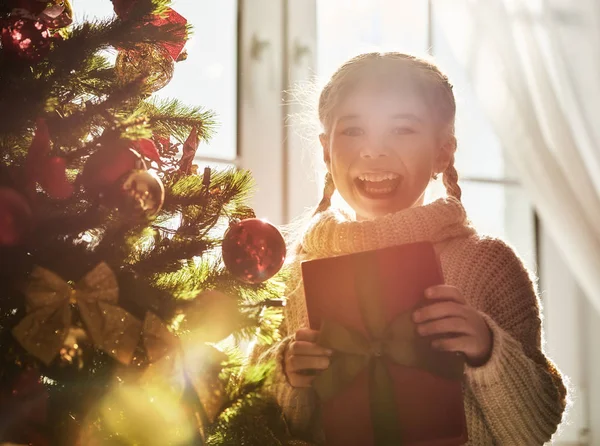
x,y
49,299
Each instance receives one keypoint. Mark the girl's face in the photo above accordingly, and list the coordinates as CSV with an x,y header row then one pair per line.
x,y
382,149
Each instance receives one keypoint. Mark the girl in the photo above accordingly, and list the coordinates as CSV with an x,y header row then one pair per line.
x,y
388,129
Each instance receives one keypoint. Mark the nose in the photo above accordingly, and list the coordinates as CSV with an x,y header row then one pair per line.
x,y
373,150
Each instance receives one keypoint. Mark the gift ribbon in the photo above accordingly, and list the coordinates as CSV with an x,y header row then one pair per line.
x,y
43,330
396,342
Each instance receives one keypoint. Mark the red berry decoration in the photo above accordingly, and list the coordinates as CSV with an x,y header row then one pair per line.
x,y
253,250
15,217
26,38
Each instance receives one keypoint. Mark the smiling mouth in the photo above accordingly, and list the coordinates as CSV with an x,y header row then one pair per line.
x,y
378,185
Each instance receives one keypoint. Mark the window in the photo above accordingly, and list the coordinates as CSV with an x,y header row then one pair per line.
x,y
347,28
493,198
208,77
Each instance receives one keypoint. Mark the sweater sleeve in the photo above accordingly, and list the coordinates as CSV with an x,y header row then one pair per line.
x,y
519,390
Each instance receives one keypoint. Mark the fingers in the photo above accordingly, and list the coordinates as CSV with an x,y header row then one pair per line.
x,y
303,357
298,380
308,349
445,292
296,368
448,325
298,363
457,344
438,310
306,334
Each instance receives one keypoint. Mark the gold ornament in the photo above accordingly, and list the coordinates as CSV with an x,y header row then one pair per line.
x,y
53,13
141,193
57,14
71,353
46,326
151,64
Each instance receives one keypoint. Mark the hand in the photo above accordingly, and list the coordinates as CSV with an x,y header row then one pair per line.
x,y
454,324
303,356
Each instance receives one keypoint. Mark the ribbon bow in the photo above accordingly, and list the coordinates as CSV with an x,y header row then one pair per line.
x,y
396,343
42,332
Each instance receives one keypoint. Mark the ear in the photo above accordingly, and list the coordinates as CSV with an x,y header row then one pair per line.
x,y
445,154
324,138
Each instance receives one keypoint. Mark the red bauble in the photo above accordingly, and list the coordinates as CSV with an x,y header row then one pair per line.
x,y
106,167
26,38
15,217
253,250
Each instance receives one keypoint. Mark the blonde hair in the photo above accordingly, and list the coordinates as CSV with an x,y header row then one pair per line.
x,y
434,85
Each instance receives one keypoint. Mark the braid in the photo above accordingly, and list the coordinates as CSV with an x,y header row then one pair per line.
x,y
328,191
450,178
325,203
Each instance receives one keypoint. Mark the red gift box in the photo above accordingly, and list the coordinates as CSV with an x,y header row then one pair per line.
x,y
385,385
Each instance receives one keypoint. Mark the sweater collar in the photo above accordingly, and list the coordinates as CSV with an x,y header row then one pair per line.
x,y
334,232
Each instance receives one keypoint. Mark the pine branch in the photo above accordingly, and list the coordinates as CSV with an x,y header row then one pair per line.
x,y
253,420
68,131
262,325
190,279
168,255
170,117
70,217
95,79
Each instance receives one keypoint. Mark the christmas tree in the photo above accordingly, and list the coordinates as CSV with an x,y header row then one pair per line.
x,y
127,277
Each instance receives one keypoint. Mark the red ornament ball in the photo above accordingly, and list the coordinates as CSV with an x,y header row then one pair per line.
x,y
106,167
15,217
26,38
253,250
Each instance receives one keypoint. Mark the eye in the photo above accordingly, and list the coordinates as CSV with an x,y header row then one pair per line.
x,y
353,131
402,130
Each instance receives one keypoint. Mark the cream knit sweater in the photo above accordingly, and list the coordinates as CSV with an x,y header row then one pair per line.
x,y
517,397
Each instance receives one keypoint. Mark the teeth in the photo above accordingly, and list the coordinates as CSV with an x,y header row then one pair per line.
x,y
383,191
379,176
